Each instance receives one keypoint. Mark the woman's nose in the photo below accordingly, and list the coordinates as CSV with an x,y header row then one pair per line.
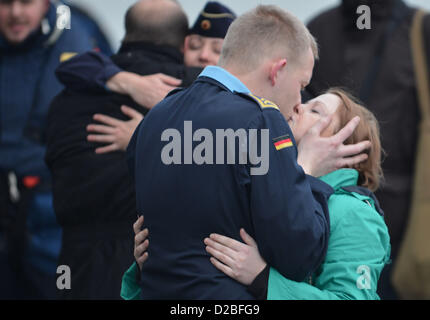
x,y
205,53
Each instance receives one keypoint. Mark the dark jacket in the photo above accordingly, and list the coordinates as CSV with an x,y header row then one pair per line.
x,y
346,55
94,197
27,86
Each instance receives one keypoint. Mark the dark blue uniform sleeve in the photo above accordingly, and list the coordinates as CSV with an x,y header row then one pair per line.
x,y
89,70
289,208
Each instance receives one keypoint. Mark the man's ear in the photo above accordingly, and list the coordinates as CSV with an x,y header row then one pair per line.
x,y
277,66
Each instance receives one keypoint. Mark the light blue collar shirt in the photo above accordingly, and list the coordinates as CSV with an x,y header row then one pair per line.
x,y
226,78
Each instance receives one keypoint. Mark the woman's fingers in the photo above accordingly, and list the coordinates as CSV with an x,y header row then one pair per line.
x,y
141,244
170,81
141,249
225,249
98,128
220,255
130,112
107,120
227,242
108,149
138,225
222,267
101,138
247,238
142,259
140,237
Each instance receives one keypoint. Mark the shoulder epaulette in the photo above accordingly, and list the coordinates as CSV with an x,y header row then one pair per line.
x,y
263,103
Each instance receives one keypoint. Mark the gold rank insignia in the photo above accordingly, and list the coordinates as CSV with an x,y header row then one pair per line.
x,y
264,103
67,55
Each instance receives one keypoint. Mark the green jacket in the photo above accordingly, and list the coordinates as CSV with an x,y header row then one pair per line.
x,y
130,289
358,249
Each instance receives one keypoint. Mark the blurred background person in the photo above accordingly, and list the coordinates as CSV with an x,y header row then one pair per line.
x,y
206,37
202,47
94,196
34,39
114,10
377,66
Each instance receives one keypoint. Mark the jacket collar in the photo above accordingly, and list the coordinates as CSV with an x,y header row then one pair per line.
x,y
341,178
159,52
346,180
224,77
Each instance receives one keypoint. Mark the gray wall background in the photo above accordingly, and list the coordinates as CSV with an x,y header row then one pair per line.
x,y
110,13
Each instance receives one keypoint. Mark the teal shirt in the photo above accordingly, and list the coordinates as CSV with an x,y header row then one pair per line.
x,y
358,249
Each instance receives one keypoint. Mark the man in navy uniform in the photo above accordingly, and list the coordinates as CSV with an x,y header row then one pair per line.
x,y
270,53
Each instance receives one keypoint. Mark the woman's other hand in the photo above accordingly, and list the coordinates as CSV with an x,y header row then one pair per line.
x,y
240,261
116,132
141,242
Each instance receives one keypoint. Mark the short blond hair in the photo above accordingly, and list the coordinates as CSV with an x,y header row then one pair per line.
x,y
266,31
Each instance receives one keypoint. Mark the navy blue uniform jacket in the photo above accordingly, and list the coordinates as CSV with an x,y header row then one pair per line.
x,y
284,210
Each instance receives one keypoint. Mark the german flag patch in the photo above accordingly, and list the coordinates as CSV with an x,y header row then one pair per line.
x,y
283,142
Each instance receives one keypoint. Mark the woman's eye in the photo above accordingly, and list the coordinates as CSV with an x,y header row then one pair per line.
x,y
314,111
194,47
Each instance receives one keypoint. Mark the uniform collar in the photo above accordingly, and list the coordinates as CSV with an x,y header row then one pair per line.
x,y
157,52
341,178
225,78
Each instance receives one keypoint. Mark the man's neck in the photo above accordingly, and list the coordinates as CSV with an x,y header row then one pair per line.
x,y
252,80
